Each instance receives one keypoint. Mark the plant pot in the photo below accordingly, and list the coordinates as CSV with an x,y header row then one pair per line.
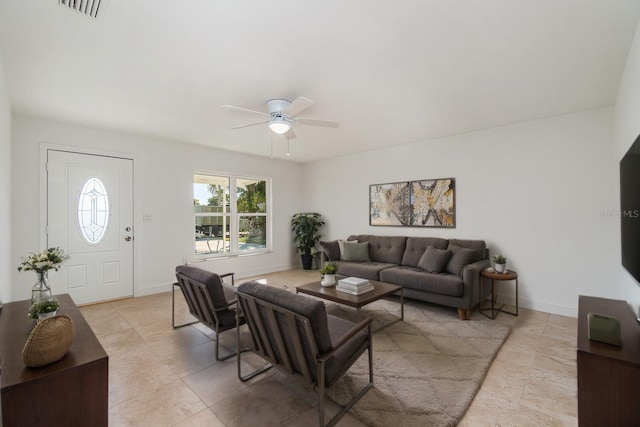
x,y
328,281
307,262
45,315
500,268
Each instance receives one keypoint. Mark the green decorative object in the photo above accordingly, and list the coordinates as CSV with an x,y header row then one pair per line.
x,y
500,263
44,307
305,227
329,268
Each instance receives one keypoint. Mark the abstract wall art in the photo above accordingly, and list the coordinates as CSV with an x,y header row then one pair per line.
x,y
390,204
424,203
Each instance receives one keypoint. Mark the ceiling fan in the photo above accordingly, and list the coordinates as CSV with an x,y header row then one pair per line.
x,y
283,115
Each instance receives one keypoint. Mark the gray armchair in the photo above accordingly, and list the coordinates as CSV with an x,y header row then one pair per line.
x,y
296,335
210,300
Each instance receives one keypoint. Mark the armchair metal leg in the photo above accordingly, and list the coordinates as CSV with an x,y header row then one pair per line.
x,y
239,359
228,356
353,400
218,358
173,309
346,408
252,374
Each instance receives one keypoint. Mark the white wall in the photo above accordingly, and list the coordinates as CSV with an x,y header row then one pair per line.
x,y
163,187
535,191
626,130
5,189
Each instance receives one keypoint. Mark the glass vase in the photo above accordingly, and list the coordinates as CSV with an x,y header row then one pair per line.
x,y
41,290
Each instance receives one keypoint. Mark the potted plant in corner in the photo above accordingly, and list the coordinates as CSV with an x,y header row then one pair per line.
x,y
305,227
328,274
500,263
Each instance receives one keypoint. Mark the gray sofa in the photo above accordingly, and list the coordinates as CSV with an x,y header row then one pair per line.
x,y
441,271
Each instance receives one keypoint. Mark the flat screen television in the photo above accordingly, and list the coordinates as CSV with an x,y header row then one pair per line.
x,y
630,209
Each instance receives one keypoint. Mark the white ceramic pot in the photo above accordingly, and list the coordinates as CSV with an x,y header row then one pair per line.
x,y
328,280
42,316
500,268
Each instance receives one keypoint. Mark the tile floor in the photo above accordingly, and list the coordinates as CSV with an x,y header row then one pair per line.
x,y
164,377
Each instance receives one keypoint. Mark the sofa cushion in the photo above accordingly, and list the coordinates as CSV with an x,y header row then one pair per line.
x,y
387,249
341,247
478,245
365,270
416,246
355,252
331,250
434,260
459,258
420,280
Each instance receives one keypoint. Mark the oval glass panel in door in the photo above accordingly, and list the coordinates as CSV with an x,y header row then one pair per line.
x,y
93,210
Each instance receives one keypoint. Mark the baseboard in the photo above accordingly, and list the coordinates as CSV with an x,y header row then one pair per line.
x,y
153,290
562,310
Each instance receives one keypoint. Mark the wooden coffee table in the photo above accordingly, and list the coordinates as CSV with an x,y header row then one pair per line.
x,y
381,290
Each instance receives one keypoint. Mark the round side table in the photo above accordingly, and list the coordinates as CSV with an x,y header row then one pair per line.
x,y
494,276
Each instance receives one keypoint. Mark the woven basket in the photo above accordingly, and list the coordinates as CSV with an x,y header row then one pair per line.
x,y
49,341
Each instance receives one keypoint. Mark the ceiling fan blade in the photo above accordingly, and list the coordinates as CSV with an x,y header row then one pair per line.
x,y
252,124
291,134
244,110
298,105
314,122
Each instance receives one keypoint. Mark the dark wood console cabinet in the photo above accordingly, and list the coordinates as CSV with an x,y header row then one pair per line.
x,y
73,391
608,376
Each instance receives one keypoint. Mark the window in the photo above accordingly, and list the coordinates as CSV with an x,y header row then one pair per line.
x,y
231,214
212,213
251,203
92,211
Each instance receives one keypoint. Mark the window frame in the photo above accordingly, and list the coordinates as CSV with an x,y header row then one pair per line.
x,y
234,216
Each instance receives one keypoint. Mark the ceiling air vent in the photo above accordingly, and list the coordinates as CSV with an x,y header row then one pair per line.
x,y
91,8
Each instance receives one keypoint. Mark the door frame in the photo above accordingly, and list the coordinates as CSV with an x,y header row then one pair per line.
x,y
44,149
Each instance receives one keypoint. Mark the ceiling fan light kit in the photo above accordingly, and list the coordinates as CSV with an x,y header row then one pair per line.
x,y
279,126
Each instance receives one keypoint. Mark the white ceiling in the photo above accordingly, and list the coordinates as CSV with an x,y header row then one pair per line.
x,y
391,72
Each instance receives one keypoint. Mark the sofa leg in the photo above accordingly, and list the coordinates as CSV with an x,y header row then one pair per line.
x,y
464,314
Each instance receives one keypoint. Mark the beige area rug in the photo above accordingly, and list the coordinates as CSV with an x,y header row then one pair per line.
x,y
427,369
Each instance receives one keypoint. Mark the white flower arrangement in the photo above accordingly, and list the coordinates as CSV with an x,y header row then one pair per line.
x,y
51,259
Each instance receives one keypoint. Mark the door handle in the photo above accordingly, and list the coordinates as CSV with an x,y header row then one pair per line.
x,y
128,238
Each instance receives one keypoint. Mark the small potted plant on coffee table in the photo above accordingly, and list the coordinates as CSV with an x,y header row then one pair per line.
x,y
500,263
328,274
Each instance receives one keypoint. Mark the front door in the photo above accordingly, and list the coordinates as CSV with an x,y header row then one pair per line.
x,y
90,216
